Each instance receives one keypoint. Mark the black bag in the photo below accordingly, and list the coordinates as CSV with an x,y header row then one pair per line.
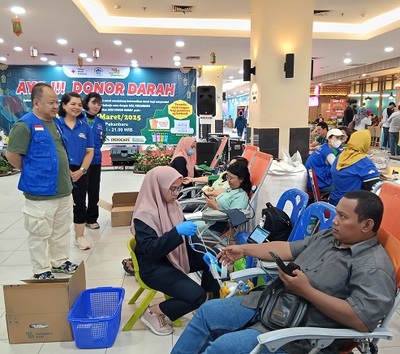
x,y
277,222
280,308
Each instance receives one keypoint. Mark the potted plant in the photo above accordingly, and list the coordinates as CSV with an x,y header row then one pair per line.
x,y
153,156
5,166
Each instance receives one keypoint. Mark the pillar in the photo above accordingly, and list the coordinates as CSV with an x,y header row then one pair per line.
x,y
212,76
278,106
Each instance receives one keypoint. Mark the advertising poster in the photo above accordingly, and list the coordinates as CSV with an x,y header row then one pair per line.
x,y
337,107
140,105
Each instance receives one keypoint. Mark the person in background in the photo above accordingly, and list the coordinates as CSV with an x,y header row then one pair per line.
x,y
219,185
353,170
350,111
321,160
345,274
346,134
394,128
319,119
184,158
240,124
79,143
361,119
36,148
321,130
386,113
92,105
163,250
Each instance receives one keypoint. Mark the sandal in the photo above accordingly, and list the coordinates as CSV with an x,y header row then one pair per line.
x,y
128,266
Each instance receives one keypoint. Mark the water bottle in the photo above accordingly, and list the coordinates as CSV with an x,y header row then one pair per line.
x,y
311,225
262,221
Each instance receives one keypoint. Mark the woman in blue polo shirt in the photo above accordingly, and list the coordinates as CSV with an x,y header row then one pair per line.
x,y
353,170
78,139
92,105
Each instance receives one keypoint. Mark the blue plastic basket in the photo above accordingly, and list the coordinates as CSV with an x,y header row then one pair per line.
x,y
95,317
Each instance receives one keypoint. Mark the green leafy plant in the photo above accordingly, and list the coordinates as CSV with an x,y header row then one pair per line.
x,y
153,156
5,166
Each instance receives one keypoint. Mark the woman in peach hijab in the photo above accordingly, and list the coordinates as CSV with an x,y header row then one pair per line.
x,y
184,158
163,251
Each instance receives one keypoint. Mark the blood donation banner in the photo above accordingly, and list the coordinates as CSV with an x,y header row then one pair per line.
x,y
140,105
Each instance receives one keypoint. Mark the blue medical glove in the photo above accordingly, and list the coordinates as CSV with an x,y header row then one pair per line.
x,y
186,228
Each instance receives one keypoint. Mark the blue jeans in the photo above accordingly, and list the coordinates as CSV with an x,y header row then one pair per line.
x,y
219,326
393,141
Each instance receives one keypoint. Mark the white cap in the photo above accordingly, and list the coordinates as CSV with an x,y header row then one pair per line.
x,y
335,132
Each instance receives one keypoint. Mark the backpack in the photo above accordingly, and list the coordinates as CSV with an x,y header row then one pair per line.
x,y
277,222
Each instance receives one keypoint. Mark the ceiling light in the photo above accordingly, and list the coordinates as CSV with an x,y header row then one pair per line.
x,y
89,60
180,43
18,49
241,71
128,50
134,65
18,10
43,59
62,41
230,77
340,80
52,62
389,49
177,63
117,42
1,40
134,62
176,58
3,58
83,55
347,61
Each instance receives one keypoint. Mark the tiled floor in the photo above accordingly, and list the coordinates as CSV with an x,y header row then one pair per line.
x,y
103,268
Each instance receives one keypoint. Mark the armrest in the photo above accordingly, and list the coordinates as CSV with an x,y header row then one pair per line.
x,y
218,215
247,274
323,337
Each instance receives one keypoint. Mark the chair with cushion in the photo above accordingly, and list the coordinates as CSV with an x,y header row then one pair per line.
x,y
323,337
150,292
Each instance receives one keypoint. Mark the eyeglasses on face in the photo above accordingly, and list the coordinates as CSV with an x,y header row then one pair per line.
x,y
176,190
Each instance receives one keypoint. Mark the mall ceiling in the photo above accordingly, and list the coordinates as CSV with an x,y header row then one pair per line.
x,y
141,25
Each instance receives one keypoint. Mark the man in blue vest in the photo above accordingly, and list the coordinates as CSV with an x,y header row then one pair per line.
x,y
36,148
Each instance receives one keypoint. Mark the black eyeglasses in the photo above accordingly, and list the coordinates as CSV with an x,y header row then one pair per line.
x,y
176,190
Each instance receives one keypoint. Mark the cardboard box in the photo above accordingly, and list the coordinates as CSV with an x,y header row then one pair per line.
x,y
121,207
37,311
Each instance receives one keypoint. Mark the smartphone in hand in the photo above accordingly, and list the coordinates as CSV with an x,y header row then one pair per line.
x,y
283,266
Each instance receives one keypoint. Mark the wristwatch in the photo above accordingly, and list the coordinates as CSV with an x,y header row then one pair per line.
x,y
84,170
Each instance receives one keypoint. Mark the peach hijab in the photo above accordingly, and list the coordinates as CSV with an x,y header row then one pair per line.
x,y
181,149
152,209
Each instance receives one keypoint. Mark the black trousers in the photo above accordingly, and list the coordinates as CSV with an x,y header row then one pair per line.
x,y
79,196
93,191
186,294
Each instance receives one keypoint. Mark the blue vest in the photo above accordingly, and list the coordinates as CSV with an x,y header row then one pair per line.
x,y
39,174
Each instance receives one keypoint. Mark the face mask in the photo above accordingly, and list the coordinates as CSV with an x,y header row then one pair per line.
x,y
190,152
336,143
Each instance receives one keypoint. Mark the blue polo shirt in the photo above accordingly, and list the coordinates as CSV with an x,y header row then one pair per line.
x,y
351,178
77,140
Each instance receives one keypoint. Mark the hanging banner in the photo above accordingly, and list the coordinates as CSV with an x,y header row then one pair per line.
x,y
337,107
140,105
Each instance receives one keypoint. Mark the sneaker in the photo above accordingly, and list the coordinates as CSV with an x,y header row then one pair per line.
x,y
156,323
67,268
82,243
43,276
93,225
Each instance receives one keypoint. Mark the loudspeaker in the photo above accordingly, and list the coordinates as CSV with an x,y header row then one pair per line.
x,y
246,69
206,104
224,96
289,66
312,70
205,152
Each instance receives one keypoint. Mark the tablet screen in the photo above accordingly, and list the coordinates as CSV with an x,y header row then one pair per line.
x,y
259,235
